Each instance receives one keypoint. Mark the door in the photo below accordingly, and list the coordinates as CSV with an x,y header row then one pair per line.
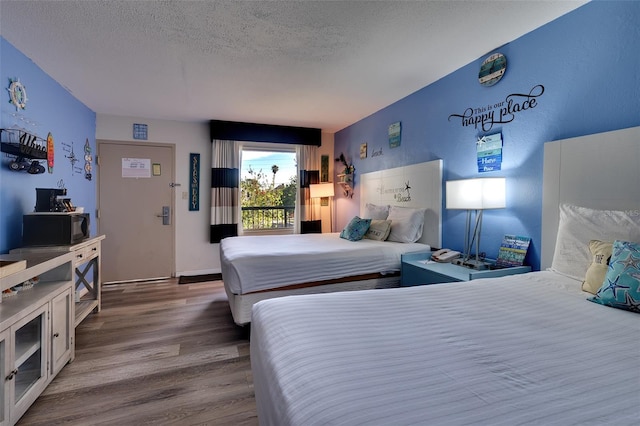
x,y
61,329
135,204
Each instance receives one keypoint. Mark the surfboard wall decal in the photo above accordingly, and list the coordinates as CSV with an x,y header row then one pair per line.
x,y
50,152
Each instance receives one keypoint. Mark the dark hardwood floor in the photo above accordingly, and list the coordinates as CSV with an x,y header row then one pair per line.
x,y
158,353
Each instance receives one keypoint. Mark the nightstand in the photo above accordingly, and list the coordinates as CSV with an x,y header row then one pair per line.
x,y
417,269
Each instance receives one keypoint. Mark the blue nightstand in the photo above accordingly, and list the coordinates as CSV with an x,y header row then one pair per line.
x,y
417,269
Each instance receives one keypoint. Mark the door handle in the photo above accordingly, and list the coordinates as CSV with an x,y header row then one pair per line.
x,y
166,215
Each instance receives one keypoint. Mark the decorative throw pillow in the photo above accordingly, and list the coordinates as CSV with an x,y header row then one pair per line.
x,y
621,287
406,224
601,253
579,225
375,212
356,229
379,230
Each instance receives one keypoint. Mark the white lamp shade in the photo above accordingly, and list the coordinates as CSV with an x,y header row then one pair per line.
x,y
476,194
319,190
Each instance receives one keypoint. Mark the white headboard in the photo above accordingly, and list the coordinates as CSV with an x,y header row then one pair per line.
x,y
416,186
599,171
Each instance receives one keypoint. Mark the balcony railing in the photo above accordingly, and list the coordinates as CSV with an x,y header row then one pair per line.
x,y
263,218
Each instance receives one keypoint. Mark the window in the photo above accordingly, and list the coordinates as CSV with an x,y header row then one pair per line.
x,y
268,188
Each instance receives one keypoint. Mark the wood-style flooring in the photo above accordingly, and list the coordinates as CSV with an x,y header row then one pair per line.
x,y
158,353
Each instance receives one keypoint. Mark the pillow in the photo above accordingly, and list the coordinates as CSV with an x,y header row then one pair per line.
x,y
578,226
600,254
373,211
356,229
621,287
406,224
379,230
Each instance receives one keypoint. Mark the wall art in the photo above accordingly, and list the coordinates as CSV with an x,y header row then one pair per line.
x,y
502,112
194,182
395,134
489,149
88,159
363,151
17,94
324,168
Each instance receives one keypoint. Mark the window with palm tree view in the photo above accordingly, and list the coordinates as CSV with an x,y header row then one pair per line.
x,y
268,190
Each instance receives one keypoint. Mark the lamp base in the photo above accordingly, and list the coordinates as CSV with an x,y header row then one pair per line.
x,y
472,263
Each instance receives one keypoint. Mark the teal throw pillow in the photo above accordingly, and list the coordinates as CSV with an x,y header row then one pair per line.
x,y
621,287
356,229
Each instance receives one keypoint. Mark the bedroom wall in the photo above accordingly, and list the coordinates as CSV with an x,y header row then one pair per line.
x,y
49,108
584,68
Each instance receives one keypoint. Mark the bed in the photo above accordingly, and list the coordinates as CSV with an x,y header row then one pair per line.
x,y
256,268
523,349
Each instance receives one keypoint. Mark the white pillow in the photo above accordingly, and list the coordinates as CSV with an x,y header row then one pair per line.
x,y
406,224
579,225
375,212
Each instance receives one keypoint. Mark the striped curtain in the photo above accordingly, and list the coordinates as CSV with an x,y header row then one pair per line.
x,y
225,183
309,173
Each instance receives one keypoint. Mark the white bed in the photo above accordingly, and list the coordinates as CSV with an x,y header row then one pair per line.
x,y
523,349
256,268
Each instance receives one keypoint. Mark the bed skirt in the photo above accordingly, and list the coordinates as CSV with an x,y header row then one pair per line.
x,y
241,304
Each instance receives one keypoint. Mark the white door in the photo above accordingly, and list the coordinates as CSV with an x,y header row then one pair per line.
x,y
135,204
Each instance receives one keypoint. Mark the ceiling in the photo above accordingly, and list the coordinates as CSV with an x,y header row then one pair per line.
x,y
322,64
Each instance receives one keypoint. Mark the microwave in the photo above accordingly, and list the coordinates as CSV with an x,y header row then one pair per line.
x,y
54,229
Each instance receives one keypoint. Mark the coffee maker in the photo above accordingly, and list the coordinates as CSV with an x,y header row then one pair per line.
x,y
47,200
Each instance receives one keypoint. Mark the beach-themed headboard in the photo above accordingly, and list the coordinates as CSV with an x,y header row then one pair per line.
x,y
599,171
415,186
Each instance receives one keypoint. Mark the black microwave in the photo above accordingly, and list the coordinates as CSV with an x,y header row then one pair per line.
x,y
54,229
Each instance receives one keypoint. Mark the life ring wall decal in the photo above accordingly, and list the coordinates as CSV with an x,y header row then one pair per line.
x,y
17,94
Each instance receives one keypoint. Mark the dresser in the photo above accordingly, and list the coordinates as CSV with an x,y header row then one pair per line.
x,y
87,278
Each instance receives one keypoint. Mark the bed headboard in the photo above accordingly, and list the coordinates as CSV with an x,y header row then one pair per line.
x,y
416,186
599,171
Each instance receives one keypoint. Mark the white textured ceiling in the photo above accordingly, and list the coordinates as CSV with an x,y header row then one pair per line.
x,y
323,64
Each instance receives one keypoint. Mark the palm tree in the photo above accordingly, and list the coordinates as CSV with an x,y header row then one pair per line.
x,y
274,169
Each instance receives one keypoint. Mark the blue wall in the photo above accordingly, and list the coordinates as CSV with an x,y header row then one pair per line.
x,y
587,61
49,108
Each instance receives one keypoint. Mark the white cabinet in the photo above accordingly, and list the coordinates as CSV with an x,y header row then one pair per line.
x,y
86,263
36,330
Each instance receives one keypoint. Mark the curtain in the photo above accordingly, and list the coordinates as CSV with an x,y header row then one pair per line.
x,y
309,173
225,183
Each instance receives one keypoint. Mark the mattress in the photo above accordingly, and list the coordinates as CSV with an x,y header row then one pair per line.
x,y
256,263
524,349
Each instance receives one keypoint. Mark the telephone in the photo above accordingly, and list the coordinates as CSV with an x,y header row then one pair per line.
x,y
445,255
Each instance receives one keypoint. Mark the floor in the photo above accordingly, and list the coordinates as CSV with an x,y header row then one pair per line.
x,y
158,353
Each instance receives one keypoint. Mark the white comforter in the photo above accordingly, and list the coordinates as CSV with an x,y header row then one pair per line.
x,y
525,349
253,263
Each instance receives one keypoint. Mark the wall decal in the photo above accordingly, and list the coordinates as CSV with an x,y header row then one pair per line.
x,y
194,179
376,152
73,159
395,135
500,112
489,153
400,193
17,94
88,158
50,156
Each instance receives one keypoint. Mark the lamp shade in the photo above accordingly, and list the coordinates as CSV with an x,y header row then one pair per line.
x,y
476,194
319,190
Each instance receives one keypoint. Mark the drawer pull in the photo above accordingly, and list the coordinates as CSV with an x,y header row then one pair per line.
x,y
56,334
